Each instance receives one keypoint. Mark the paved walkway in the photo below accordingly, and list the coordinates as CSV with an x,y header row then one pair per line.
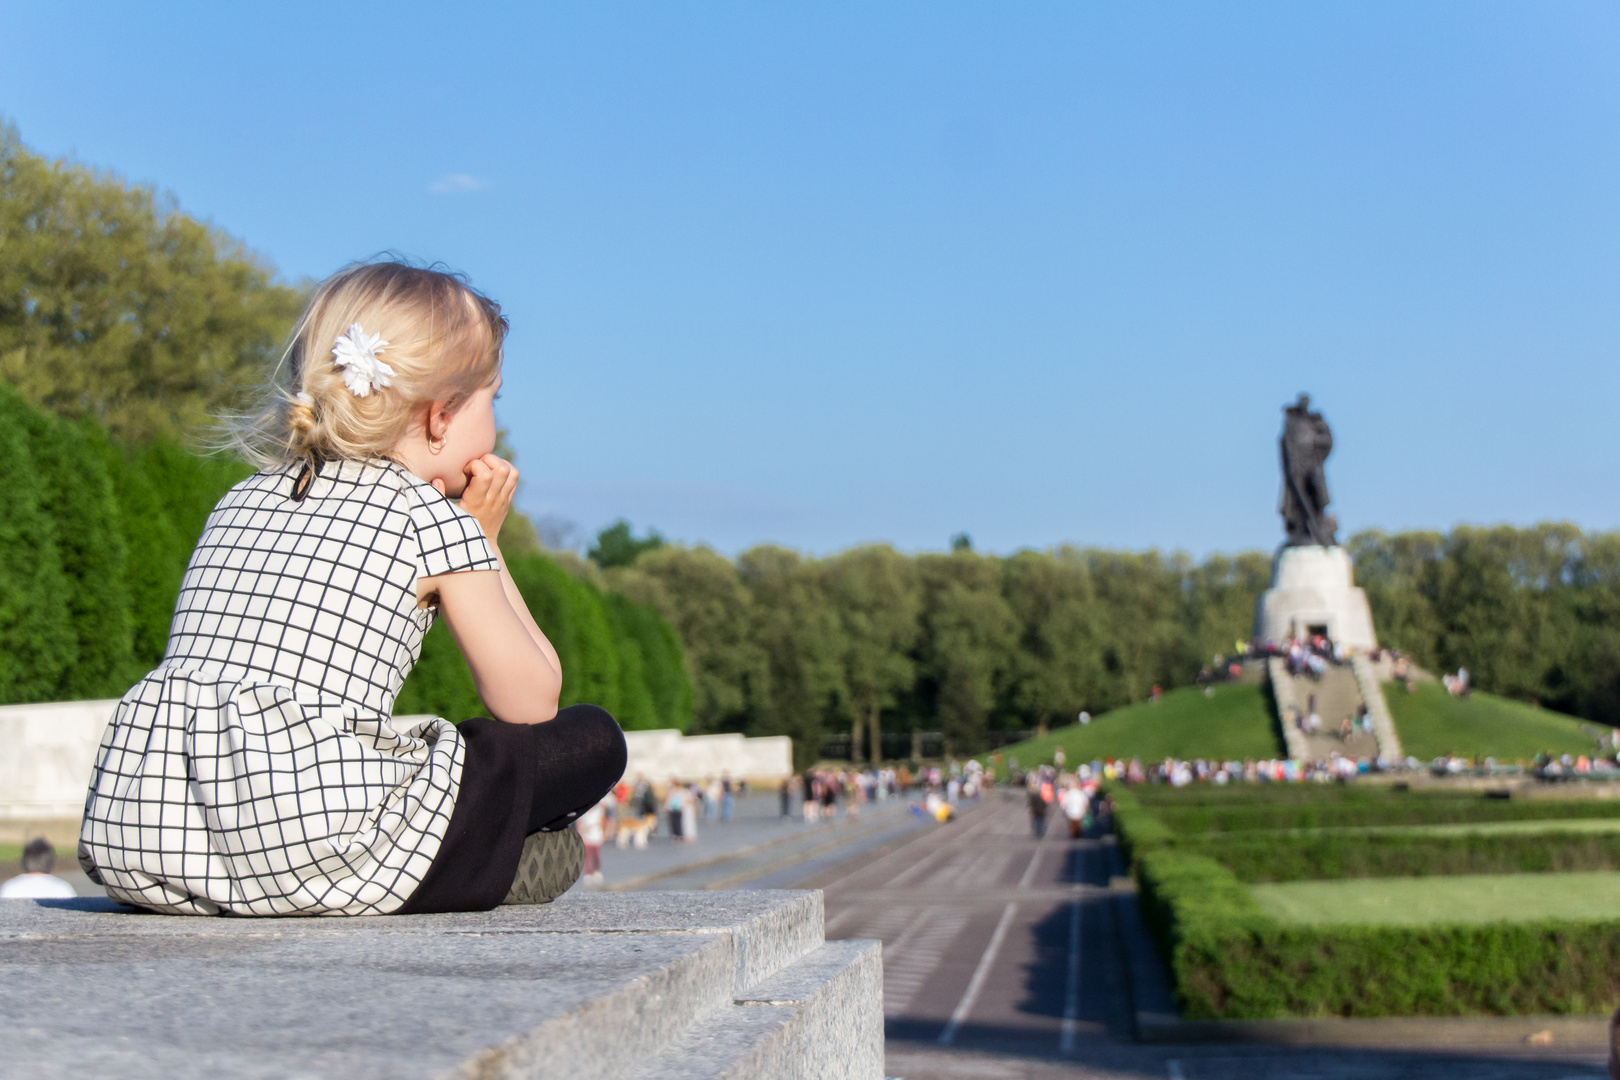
x,y
1001,960
755,842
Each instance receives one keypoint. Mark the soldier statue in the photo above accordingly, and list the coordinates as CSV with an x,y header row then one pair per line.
x,y
1306,443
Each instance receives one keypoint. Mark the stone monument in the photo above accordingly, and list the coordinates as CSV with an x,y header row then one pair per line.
x,y
1313,589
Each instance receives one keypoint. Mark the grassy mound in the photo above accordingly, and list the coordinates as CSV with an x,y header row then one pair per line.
x,y
1432,724
1234,722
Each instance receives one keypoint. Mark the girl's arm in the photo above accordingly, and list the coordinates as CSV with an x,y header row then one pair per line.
x,y
513,665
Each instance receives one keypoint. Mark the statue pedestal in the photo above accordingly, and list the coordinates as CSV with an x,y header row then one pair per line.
x,y
1313,591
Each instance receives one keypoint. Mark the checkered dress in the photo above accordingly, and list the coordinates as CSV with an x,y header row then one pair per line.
x,y
255,771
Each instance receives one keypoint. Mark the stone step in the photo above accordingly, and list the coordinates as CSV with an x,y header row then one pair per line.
x,y
792,1025
594,985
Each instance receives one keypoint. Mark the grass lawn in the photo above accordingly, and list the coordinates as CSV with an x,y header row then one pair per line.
x,y
1233,723
1432,723
1417,901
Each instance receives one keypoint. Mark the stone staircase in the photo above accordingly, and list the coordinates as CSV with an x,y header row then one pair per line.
x,y
651,986
1339,692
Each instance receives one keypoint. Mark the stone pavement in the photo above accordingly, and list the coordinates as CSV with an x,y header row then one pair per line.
x,y
650,985
1003,958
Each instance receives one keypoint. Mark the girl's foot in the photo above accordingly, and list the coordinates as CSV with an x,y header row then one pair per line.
x,y
550,864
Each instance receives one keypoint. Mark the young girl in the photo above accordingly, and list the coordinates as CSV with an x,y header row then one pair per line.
x,y
256,770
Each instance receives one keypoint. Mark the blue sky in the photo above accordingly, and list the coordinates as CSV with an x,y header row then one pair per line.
x,y
834,273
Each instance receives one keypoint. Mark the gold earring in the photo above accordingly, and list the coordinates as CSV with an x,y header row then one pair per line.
x,y
436,446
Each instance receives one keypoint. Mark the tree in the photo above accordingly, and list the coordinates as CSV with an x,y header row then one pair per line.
x,y
76,493
699,593
874,590
617,546
799,632
37,644
969,641
1059,668
116,305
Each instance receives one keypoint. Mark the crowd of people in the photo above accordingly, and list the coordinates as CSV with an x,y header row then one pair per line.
x,y
1072,795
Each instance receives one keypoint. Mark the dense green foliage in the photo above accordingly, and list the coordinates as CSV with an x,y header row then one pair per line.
x,y
1327,855
1397,808
92,548
1533,613
615,653
115,305
617,546
1434,723
969,644
869,639
1230,960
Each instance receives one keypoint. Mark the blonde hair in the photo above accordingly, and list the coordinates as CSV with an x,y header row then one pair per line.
x,y
444,343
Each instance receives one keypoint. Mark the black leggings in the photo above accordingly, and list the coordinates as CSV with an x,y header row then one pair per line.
x,y
516,779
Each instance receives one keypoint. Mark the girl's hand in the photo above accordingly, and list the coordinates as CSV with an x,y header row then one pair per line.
x,y
491,483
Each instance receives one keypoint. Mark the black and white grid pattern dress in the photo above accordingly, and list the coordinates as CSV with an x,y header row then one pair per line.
x,y
255,771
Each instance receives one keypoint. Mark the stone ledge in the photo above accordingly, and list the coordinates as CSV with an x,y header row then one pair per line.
x,y
599,985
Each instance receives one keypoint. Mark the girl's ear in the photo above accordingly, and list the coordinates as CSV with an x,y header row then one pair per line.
x,y
438,419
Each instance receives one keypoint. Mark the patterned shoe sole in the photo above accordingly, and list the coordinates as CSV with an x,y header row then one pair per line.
x,y
550,864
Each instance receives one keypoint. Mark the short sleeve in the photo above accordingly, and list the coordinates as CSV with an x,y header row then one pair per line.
x,y
449,539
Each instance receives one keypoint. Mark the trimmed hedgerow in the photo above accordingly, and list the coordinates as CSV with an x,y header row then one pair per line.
x,y
37,644
1230,961
614,653
1137,827
1403,808
1331,856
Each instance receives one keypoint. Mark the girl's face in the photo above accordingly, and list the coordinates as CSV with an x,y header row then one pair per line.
x,y
469,434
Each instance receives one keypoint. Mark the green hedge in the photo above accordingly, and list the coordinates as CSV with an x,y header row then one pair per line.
x,y
1229,961
615,653
96,537
1408,808
1137,827
92,548
1332,856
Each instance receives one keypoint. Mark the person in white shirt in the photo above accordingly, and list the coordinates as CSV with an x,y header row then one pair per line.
x,y
592,826
1074,804
36,882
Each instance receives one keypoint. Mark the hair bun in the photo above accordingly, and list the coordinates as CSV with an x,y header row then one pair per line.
x,y
300,416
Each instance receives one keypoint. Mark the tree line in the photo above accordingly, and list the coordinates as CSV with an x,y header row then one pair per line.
x,y
1532,613
871,641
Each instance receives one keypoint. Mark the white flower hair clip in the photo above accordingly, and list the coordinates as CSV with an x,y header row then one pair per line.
x,y
356,353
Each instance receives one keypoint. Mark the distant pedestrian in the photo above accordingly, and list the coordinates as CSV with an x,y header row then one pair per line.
x,y
689,814
591,826
674,805
36,882
649,814
1037,811
1073,802
728,798
785,795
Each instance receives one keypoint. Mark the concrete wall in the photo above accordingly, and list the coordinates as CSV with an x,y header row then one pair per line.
x,y
48,753
49,750
666,755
